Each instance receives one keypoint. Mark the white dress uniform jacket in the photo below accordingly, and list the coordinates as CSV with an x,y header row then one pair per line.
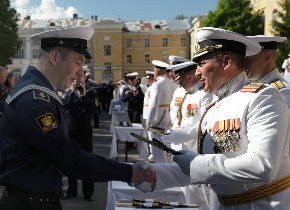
x,y
191,107
146,101
261,155
176,99
158,112
275,79
174,105
194,105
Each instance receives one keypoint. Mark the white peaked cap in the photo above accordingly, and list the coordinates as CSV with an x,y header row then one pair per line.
x,y
160,64
74,38
268,42
210,39
132,74
173,59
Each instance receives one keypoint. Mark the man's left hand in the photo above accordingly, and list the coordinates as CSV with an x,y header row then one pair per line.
x,y
184,160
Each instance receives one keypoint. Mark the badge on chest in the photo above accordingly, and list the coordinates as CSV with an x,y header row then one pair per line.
x,y
225,135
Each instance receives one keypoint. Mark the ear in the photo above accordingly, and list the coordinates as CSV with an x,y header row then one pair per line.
x,y
227,61
268,55
53,57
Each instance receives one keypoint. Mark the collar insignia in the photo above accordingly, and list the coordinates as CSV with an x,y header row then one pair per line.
x,y
38,94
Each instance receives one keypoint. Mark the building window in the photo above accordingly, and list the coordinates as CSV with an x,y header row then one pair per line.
x,y
183,41
129,42
165,42
107,38
147,42
19,54
108,67
129,58
36,53
165,58
147,59
107,49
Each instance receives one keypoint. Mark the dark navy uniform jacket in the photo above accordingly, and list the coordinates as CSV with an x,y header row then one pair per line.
x,y
34,144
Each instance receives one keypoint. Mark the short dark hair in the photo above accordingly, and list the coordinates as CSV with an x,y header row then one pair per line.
x,y
64,51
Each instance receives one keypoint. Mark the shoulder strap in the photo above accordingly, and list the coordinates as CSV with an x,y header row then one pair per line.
x,y
277,83
252,87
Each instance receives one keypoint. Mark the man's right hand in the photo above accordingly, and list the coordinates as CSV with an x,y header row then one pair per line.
x,y
144,176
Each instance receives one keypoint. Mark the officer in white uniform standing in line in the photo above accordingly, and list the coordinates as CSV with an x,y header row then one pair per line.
x,y
179,91
149,76
262,67
158,108
243,140
190,109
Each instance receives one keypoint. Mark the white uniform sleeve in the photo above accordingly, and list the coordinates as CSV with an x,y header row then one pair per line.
x,y
170,175
267,124
153,102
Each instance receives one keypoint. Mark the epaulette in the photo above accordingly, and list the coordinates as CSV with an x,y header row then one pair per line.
x,y
277,83
252,87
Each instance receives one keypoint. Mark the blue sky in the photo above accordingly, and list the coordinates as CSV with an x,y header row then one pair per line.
x,y
123,9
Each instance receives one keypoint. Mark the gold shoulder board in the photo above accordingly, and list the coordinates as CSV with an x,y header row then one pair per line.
x,y
277,83
252,87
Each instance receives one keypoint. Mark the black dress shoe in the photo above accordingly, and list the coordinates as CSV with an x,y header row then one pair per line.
x,y
68,196
88,197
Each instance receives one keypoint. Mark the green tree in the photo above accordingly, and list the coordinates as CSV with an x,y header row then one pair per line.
x,y
9,40
180,17
236,16
281,27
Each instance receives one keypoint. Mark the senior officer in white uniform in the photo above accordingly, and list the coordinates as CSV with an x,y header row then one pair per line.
x,y
177,95
244,136
262,67
158,108
192,105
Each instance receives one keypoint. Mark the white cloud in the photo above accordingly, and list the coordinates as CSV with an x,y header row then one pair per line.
x,y
47,10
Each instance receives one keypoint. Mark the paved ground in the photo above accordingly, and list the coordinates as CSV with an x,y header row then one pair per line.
x,y
102,140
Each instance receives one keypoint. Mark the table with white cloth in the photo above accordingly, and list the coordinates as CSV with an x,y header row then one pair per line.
x,y
122,133
121,190
119,117
117,105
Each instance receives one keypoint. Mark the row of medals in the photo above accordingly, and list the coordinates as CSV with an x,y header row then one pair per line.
x,y
226,141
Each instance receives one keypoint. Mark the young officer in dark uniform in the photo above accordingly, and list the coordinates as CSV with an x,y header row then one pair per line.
x,y
80,104
34,144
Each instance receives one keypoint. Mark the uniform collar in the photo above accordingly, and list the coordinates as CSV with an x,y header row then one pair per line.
x,y
32,79
269,77
232,86
194,88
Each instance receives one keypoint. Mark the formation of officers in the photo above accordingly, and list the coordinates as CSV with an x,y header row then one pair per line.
x,y
226,110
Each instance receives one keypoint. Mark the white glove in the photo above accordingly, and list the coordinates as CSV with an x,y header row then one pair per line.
x,y
184,160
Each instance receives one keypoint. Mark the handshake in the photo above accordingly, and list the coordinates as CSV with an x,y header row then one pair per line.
x,y
143,176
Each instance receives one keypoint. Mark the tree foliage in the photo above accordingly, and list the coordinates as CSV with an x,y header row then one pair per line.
x,y
281,27
236,16
9,40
